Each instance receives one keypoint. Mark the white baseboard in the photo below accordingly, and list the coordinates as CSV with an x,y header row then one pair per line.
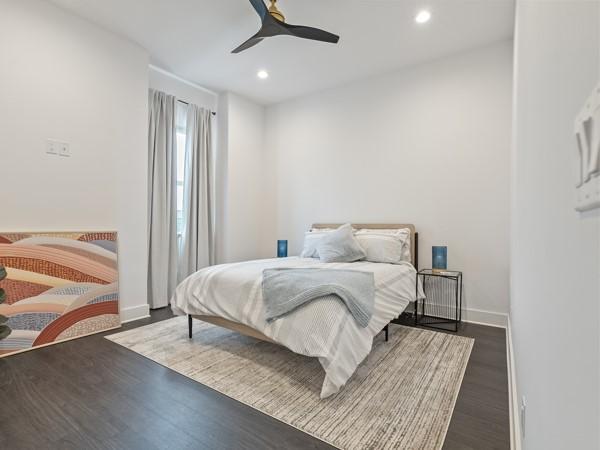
x,y
489,318
135,313
478,316
513,397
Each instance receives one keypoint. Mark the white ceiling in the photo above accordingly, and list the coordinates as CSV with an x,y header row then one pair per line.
x,y
193,38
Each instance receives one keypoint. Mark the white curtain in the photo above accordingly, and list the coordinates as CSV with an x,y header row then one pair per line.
x,y
162,184
197,248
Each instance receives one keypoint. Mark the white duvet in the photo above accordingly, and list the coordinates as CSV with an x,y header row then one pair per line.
x,y
324,328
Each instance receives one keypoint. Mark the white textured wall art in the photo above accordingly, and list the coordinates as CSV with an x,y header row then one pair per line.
x,y
587,132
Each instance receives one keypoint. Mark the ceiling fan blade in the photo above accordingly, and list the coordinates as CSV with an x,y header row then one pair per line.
x,y
249,43
272,26
260,8
311,33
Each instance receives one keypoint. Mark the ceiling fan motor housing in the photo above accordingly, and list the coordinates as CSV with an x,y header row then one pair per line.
x,y
275,12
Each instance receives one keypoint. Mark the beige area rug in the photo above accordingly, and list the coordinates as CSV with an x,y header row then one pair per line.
x,y
402,396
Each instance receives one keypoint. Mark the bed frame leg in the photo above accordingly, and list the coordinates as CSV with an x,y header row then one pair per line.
x,y
387,329
190,326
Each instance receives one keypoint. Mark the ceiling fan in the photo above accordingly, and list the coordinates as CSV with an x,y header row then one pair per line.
x,y
273,24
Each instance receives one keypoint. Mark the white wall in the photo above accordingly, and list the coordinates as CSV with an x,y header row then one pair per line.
x,y
64,78
242,187
429,145
555,261
182,89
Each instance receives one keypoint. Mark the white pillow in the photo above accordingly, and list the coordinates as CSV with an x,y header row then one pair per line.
x,y
340,246
390,246
311,240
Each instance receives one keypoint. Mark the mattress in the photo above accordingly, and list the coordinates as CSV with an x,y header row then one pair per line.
x,y
323,329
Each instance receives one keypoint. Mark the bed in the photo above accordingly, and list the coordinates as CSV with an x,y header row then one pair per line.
x,y
230,296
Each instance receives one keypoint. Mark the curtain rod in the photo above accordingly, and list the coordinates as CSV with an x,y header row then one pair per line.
x,y
186,103
178,78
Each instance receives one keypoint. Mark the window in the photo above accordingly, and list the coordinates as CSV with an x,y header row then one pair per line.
x,y
180,150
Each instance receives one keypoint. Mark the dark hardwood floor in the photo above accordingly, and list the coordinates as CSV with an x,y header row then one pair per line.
x,y
93,394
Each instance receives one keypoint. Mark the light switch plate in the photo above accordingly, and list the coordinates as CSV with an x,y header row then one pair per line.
x,y
64,149
52,147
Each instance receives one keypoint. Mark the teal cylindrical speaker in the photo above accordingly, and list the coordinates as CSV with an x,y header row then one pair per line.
x,y
439,258
282,248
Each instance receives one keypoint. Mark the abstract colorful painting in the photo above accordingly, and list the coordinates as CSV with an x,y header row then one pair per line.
x,y
58,286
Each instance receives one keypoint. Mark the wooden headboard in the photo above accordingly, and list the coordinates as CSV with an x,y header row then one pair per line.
x,y
414,236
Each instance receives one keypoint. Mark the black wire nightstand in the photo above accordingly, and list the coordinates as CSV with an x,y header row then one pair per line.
x,y
442,306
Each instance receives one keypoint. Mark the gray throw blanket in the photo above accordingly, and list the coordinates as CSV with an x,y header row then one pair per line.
x,y
287,289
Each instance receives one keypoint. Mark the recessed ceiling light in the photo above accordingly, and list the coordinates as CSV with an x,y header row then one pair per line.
x,y
423,16
262,74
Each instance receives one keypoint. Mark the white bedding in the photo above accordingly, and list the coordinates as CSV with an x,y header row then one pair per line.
x,y
323,328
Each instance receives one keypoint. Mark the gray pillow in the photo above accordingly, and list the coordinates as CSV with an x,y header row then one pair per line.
x,y
340,246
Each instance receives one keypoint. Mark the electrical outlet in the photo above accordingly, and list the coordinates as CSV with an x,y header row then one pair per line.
x,y
523,414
